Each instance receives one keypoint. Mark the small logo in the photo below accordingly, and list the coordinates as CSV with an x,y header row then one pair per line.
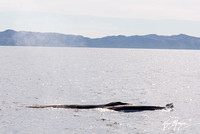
x,y
176,124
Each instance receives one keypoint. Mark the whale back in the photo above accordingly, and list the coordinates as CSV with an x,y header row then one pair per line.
x,y
116,103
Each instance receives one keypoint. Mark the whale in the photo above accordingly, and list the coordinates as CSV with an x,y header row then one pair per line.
x,y
111,104
130,108
115,106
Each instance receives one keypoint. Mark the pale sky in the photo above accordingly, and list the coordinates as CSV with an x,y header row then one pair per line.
x,y
98,18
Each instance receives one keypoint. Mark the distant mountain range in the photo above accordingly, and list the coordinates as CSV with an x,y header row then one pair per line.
x,y
153,41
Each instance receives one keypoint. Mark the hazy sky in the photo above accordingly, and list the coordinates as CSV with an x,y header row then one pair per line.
x,y
97,18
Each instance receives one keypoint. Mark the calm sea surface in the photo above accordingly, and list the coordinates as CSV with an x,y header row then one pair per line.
x,y
36,76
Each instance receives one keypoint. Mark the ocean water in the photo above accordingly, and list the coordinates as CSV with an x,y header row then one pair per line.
x,y
50,75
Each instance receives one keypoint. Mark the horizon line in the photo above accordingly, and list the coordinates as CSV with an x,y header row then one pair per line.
x,y
102,36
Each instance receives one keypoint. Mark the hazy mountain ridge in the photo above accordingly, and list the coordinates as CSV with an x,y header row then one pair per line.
x,y
14,38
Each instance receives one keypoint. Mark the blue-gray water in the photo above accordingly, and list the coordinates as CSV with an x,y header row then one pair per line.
x,y
36,75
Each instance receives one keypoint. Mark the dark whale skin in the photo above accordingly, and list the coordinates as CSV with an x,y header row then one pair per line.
x,y
136,108
112,104
116,106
